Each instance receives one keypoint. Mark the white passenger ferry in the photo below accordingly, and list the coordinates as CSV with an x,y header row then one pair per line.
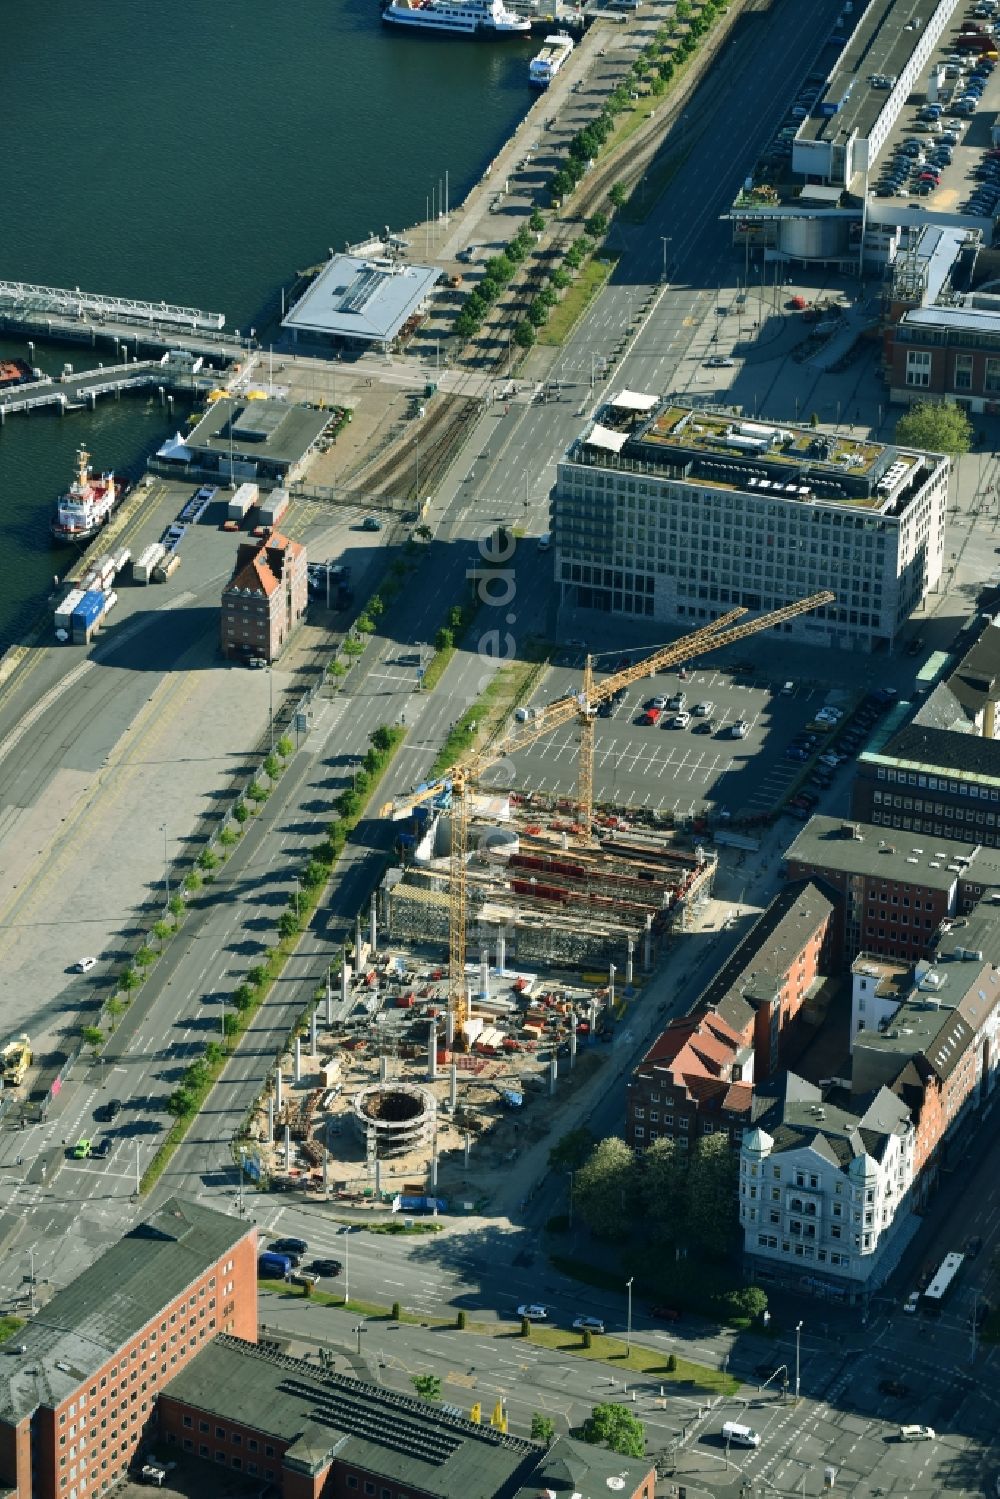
x,y
459,17
555,51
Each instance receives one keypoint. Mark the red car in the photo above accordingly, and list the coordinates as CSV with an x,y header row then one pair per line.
x,y
651,716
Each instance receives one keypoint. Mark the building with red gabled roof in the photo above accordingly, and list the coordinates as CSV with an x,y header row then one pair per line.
x,y
696,1079
264,599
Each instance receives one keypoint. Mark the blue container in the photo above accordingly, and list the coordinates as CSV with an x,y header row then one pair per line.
x,y
90,608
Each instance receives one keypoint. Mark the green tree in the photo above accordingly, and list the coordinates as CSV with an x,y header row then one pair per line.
x,y
524,335
444,639
314,874
145,957
536,222
936,426
538,313
257,793
560,278
288,924
543,1428
176,906
129,980
240,812
571,1150
712,1204
116,1008
181,1103
230,1025
92,1036
192,881
672,1364
213,1053
663,1187
244,997
597,225
161,931
618,195
365,624
604,1188
614,1426
381,739
284,746
257,975
427,1386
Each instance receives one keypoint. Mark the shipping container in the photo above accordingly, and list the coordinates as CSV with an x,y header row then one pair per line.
x,y
274,507
243,500
148,558
87,616
165,567
63,618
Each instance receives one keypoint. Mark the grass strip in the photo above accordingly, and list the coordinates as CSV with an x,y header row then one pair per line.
x,y
509,686
9,1326
578,298
607,1350
203,1075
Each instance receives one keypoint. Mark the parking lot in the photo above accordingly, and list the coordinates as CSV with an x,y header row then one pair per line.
x,y
690,771
937,149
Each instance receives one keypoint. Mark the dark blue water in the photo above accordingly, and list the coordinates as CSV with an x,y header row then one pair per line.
x,y
203,153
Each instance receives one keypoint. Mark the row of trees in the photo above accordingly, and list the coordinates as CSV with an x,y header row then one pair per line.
x,y
187,1098
654,68
498,272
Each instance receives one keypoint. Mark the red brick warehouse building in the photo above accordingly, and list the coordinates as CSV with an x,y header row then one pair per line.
x,y
265,598
79,1398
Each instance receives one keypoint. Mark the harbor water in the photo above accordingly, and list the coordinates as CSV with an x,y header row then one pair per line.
x,y
204,155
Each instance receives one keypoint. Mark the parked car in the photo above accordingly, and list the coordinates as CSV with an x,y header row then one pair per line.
x,y
326,1267
84,965
101,1150
651,716
680,720
288,1246
371,523
719,362
533,1311
109,1111
81,1150
703,710
589,1324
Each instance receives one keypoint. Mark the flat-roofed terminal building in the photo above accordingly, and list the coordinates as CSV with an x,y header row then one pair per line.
x,y
675,514
357,303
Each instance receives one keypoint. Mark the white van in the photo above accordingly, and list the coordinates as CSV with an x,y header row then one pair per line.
x,y
545,541
736,1435
917,1434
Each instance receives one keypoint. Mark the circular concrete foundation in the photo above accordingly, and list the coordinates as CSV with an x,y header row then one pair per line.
x,y
394,1118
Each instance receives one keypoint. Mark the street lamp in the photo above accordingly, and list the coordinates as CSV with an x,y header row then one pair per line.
x,y
166,869
628,1325
798,1334
665,240
570,1175
359,1329
270,701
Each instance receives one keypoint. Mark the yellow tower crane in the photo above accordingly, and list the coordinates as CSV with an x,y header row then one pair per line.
x,y
582,708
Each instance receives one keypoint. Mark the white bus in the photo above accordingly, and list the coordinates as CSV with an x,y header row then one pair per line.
x,y
944,1279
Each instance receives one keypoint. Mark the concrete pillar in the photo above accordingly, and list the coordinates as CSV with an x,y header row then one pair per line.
x,y
270,1120
298,1059
628,961
312,1032
501,951
373,924
469,996
434,1169
288,1147
357,940
383,1068
647,946
326,1162
378,1177
454,1086
572,1042
449,1028
553,1074
345,982
432,1053
484,973
468,1147
277,1089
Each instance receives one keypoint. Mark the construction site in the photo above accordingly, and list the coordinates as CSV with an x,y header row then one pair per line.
x,y
500,953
